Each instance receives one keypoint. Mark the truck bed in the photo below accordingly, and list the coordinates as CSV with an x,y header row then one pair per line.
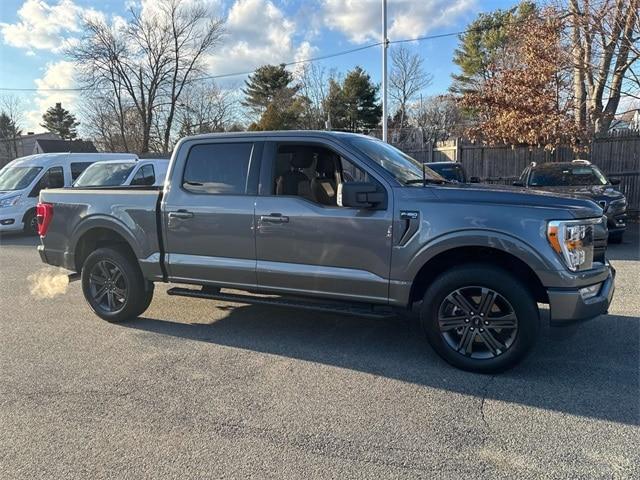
x,y
131,211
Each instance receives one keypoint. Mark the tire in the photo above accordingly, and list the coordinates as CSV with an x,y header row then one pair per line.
x,y
30,223
501,334
113,285
616,237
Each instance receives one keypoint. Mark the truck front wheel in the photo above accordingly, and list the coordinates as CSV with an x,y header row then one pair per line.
x,y
113,285
480,318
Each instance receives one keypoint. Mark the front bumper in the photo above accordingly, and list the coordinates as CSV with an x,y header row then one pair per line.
x,y
617,222
11,223
568,305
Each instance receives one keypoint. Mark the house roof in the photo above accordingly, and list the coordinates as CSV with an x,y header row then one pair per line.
x,y
72,146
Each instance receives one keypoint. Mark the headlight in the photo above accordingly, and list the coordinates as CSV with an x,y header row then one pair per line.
x,y
9,201
619,204
573,241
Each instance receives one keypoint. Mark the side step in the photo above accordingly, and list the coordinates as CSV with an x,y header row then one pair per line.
x,y
361,310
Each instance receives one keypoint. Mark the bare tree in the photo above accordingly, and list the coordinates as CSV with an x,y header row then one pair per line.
x,y
438,117
407,79
206,108
314,86
604,40
11,120
193,33
146,64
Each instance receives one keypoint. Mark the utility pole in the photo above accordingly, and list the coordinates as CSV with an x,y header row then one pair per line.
x,y
385,43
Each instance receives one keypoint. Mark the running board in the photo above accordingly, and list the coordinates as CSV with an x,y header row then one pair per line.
x,y
360,310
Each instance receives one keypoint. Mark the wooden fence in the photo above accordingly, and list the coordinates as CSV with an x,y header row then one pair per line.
x,y
617,157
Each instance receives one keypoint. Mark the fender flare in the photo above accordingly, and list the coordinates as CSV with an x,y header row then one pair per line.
x,y
106,222
496,240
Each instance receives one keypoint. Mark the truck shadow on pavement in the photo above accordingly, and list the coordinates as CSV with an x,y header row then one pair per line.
x,y
590,371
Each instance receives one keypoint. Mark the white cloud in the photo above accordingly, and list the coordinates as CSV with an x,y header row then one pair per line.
x,y
46,26
57,75
41,26
256,33
360,20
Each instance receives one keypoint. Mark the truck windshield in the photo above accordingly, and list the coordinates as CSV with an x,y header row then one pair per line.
x,y
405,169
566,176
17,178
105,175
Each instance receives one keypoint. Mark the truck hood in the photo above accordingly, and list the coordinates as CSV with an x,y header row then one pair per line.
x,y
577,205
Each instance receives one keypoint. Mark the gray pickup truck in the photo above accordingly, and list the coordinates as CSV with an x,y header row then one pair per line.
x,y
342,223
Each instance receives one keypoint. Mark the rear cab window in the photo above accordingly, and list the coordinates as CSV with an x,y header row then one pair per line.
x,y
219,168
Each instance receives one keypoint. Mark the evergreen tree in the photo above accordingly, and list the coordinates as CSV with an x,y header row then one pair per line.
x,y
353,105
60,121
483,43
9,132
268,84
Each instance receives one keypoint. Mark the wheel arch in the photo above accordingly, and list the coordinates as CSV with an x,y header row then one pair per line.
x,y
461,255
99,233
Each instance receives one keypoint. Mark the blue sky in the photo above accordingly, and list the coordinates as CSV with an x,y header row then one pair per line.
x,y
32,33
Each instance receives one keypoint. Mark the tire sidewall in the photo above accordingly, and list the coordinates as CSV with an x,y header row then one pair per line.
x,y
29,227
136,295
498,280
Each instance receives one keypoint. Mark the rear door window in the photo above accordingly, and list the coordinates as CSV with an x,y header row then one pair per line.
x,y
218,168
144,176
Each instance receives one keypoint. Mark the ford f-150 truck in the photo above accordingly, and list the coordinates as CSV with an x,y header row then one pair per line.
x,y
342,223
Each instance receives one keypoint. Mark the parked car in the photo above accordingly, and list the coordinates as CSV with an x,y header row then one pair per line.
x,y
581,177
22,179
274,213
452,171
115,173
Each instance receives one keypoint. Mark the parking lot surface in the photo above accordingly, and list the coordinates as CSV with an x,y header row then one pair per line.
x,y
202,389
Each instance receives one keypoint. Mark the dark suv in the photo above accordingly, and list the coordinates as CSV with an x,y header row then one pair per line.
x,y
581,177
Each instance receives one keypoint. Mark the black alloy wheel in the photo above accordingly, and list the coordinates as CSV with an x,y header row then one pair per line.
x,y
477,322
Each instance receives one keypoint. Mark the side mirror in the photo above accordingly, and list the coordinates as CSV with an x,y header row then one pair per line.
x,y
359,195
474,180
518,184
614,181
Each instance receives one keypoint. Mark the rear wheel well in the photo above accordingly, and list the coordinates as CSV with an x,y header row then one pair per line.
x,y
99,238
465,255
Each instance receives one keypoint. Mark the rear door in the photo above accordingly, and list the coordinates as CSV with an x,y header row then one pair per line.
x,y
208,213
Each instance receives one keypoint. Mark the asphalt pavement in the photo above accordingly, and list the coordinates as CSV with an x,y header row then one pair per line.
x,y
202,389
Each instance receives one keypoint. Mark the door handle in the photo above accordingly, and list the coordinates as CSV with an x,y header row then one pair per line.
x,y
274,218
181,214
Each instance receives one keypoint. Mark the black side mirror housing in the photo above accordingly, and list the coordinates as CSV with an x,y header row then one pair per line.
x,y
474,180
359,195
614,181
518,184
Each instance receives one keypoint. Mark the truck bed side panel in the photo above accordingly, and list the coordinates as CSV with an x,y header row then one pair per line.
x,y
129,212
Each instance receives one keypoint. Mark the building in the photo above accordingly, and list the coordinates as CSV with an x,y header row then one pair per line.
x,y
32,143
46,145
22,146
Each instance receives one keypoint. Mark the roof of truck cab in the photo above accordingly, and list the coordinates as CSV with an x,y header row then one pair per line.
x,y
280,133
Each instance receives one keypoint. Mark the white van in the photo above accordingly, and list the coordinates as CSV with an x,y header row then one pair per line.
x,y
22,179
114,173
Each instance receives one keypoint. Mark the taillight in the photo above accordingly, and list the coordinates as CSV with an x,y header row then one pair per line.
x,y
44,214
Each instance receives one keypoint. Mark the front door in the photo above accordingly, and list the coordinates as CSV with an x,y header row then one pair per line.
x,y
208,215
308,245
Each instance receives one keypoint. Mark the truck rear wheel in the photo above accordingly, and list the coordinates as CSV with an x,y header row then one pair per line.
x,y
113,285
480,318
